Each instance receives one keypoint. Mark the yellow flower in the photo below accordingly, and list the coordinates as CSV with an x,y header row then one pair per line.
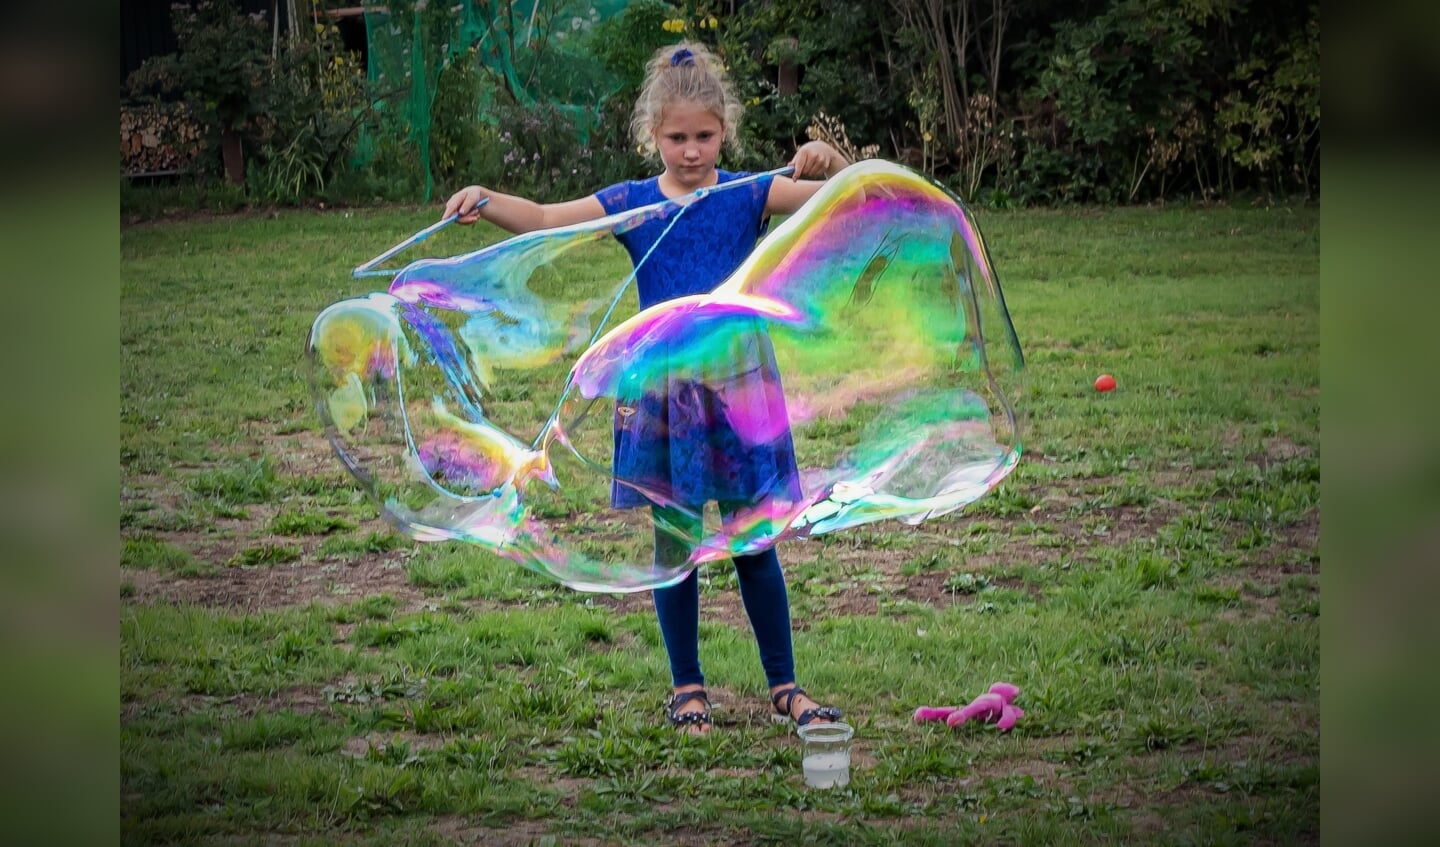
x,y
712,22
928,137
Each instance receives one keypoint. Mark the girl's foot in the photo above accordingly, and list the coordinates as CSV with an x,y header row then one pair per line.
x,y
688,709
791,703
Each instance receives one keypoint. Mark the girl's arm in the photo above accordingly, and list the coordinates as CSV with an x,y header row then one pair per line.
x,y
518,214
815,157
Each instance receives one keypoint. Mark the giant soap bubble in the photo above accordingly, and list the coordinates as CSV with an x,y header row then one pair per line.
x,y
859,366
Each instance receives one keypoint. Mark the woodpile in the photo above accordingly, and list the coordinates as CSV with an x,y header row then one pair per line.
x,y
159,138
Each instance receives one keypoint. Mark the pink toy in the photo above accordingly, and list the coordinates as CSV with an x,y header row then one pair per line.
x,y
994,706
934,713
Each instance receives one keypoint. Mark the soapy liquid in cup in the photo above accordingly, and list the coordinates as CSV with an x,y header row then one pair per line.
x,y
827,770
826,754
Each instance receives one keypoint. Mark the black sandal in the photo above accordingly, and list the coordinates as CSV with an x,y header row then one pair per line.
x,y
782,714
688,719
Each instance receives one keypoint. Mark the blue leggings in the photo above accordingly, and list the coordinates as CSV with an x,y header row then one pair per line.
x,y
767,604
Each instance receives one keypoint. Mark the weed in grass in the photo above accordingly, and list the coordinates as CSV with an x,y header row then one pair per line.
x,y
1006,501
1163,731
480,755
373,608
1157,571
246,482
966,583
593,754
719,578
1128,494
226,511
921,564
1254,538
1217,595
307,523
366,691
345,547
442,572
1299,597
329,492
151,518
386,634
267,730
146,552
597,631
265,554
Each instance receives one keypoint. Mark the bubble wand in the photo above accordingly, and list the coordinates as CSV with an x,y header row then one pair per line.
x,y
367,269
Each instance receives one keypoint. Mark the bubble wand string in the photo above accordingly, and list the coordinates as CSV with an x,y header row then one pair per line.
x,y
367,269
684,202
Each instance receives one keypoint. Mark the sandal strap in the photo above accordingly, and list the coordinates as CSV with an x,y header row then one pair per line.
x,y
788,695
676,718
829,713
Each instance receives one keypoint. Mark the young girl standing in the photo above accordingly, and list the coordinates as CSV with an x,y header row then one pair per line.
x,y
685,112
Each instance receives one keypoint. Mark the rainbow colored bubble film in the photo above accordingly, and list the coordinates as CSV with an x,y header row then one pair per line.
x,y
861,365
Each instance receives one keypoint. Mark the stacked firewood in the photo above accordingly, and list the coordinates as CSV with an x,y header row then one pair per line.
x,y
159,138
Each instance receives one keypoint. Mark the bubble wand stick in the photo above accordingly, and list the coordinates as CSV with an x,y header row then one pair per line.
x,y
367,269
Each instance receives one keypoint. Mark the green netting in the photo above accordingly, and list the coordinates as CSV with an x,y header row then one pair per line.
x,y
534,51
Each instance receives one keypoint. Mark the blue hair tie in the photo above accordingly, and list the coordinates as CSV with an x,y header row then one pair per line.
x,y
680,57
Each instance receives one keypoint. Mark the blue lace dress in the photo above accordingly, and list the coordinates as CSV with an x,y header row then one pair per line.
x,y
721,434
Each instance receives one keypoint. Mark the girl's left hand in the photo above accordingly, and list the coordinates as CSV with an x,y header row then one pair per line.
x,y
816,158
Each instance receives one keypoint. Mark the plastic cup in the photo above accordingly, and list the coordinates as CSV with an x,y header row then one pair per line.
x,y
825,754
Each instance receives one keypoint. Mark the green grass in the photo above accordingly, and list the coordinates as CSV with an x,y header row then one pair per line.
x,y
291,670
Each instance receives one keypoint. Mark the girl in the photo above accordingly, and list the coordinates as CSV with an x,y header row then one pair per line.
x,y
685,112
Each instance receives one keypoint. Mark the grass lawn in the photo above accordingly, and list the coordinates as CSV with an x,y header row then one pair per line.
x,y
293,673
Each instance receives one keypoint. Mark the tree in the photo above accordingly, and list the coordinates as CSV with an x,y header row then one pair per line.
x,y
223,67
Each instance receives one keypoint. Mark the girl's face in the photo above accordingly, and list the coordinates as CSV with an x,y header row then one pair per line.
x,y
689,138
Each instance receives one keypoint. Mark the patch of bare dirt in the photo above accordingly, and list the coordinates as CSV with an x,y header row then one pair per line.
x,y
299,583
299,699
359,746
859,579
461,830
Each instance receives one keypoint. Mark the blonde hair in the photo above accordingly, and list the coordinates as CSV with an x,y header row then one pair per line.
x,y
697,77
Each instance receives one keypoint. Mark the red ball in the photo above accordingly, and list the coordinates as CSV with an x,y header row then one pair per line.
x,y
1106,382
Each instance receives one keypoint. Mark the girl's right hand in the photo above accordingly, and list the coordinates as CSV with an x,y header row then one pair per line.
x,y
465,199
